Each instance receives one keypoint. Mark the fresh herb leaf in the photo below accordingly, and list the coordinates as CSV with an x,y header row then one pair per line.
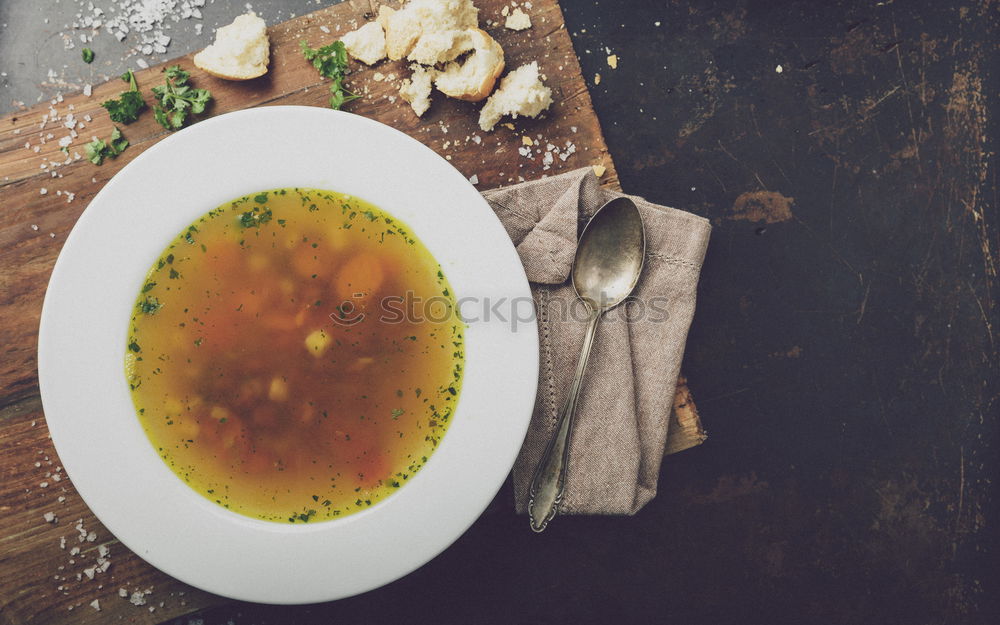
x,y
176,99
129,104
88,55
331,62
118,142
97,150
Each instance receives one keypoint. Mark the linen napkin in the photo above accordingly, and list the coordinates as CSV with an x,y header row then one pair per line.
x,y
623,413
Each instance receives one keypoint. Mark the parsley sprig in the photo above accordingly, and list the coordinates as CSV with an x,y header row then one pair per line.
x,y
331,62
176,99
97,150
129,104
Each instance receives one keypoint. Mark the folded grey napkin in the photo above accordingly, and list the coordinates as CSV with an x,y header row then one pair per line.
x,y
624,408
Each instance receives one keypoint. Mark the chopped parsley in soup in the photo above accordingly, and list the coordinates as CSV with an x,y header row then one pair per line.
x,y
295,355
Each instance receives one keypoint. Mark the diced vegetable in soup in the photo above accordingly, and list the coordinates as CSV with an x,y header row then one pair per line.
x,y
295,355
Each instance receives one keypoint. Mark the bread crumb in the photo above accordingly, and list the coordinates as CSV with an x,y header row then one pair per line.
x,y
599,170
518,20
597,78
613,61
417,89
779,69
526,140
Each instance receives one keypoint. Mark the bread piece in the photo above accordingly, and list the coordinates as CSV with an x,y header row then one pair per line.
x,y
521,92
437,15
384,12
241,50
442,22
366,44
440,46
402,29
474,78
417,88
518,20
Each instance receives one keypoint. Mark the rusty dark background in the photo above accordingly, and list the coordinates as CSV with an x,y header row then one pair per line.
x,y
843,353
844,350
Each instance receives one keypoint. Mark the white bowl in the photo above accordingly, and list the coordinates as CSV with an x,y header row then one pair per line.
x,y
83,332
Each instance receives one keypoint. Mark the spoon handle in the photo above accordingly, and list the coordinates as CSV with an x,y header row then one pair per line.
x,y
550,475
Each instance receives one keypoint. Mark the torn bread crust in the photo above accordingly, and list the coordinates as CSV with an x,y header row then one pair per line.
x,y
474,78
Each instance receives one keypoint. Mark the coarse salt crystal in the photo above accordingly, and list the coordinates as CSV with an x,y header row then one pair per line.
x,y
474,179
96,604
49,517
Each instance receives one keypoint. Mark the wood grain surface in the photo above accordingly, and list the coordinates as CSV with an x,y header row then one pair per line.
x,y
52,548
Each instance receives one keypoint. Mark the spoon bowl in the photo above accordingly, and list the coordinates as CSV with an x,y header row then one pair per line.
x,y
610,255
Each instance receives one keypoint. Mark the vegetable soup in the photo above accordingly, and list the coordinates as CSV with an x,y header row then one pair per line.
x,y
295,355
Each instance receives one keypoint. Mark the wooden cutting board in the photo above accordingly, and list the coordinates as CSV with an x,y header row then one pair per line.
x,y
51,571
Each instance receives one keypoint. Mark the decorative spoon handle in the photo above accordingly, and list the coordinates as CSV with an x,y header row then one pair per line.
x,y
550,476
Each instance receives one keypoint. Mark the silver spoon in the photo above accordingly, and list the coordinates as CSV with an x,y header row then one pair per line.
x,y
608,262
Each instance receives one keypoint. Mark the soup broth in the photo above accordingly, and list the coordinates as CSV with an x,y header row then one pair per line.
x,y
295,355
